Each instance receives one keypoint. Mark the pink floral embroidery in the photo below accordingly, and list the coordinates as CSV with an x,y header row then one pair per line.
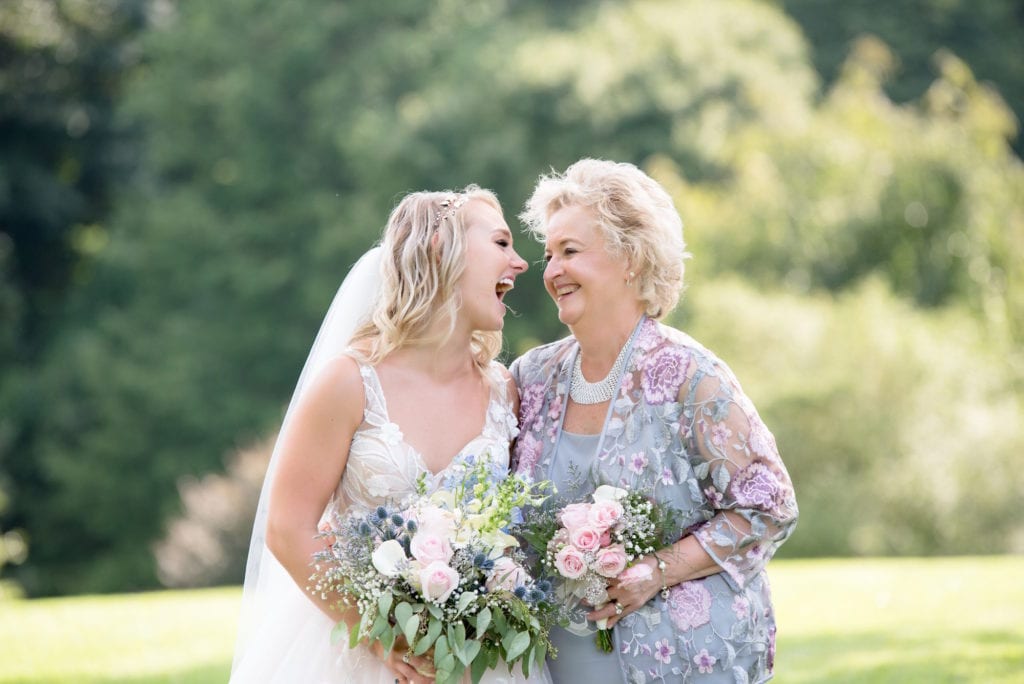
x,y
705,661
689,605
530,401
740,606
714,497
663,373
528,452
756,486
648,338
663,651
761,440
720,434
555,410
637,462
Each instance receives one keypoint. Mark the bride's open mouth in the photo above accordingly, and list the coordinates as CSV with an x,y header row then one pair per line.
x,y
503,287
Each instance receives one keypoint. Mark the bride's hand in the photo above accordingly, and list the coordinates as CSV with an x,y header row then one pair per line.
x,y
406,667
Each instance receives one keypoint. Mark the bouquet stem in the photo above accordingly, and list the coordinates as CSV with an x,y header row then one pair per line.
x,y
604,640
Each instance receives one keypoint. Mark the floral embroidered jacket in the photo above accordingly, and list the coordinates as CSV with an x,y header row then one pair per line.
x,y
680,430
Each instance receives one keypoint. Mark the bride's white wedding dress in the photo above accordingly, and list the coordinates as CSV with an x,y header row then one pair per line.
x,y
295,646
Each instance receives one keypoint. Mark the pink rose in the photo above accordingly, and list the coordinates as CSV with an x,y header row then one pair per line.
x,y
507,575
438,582
585,538
427,548
611,561
604,514
570,562
575,515
638,573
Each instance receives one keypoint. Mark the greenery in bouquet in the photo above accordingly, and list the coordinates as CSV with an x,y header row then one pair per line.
x,y
441,573
582,545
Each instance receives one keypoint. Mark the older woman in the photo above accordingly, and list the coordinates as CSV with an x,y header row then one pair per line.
x,y
631,402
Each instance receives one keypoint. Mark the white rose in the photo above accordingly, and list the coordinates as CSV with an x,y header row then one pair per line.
x,y
388,558
609,493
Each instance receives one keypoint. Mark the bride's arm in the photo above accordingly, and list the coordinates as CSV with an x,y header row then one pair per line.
x,y
314,451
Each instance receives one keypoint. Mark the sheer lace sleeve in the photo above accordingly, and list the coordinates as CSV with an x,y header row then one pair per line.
x,y
741,475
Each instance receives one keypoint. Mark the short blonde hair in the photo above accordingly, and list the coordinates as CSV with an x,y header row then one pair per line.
x,y
424,255
634,214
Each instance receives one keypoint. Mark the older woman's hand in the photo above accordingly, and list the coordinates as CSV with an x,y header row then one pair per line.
x,y
626,597
405,666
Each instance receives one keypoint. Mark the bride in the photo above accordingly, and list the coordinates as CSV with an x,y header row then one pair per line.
x,y
401,379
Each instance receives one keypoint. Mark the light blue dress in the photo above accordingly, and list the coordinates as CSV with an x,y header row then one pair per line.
x,y
579,659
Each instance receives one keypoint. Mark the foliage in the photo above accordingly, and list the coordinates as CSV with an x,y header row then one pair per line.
x,y
899,427
925,195
986,35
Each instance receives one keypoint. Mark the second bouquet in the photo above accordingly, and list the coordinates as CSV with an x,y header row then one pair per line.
x,y
439,574
586,544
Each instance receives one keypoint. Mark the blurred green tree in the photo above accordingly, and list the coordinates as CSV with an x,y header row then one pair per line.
x,y
988,36
926,195
63,65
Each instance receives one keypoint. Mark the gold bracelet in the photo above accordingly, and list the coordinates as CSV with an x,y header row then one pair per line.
x,y
661,568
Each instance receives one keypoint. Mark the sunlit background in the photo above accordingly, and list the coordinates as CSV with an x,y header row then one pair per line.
x,y
183,185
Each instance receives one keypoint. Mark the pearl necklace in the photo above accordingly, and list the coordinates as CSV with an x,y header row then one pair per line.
x,y
583,392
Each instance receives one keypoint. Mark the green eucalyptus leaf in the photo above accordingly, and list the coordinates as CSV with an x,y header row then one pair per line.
x,y
403,611
483,621
426,641
515,645
384,604
353,636
387,640
410,627
440,650
469,651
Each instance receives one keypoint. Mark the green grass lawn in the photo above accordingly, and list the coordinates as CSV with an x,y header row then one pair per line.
x,y
840,621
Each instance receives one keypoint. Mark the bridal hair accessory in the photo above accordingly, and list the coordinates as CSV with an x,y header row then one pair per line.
x,y
449,205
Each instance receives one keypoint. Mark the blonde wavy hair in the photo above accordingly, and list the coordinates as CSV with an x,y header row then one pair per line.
x,y
634,214
424,255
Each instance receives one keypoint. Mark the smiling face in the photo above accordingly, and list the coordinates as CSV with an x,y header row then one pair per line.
x,y
586,282
491,267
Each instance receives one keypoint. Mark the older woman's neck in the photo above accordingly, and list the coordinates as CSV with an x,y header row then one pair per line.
x,y
601,340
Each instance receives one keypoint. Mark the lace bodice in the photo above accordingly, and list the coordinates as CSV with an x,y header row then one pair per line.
x,y
382,466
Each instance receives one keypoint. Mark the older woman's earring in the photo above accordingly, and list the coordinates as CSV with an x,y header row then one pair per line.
x,y
629,280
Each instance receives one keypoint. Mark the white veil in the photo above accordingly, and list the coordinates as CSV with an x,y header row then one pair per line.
x,y
267,583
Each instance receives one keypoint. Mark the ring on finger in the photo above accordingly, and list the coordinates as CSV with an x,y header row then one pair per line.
x,y
405,658
618,608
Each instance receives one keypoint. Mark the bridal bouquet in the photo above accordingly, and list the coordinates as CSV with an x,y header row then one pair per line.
x,y
588,543
441,572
